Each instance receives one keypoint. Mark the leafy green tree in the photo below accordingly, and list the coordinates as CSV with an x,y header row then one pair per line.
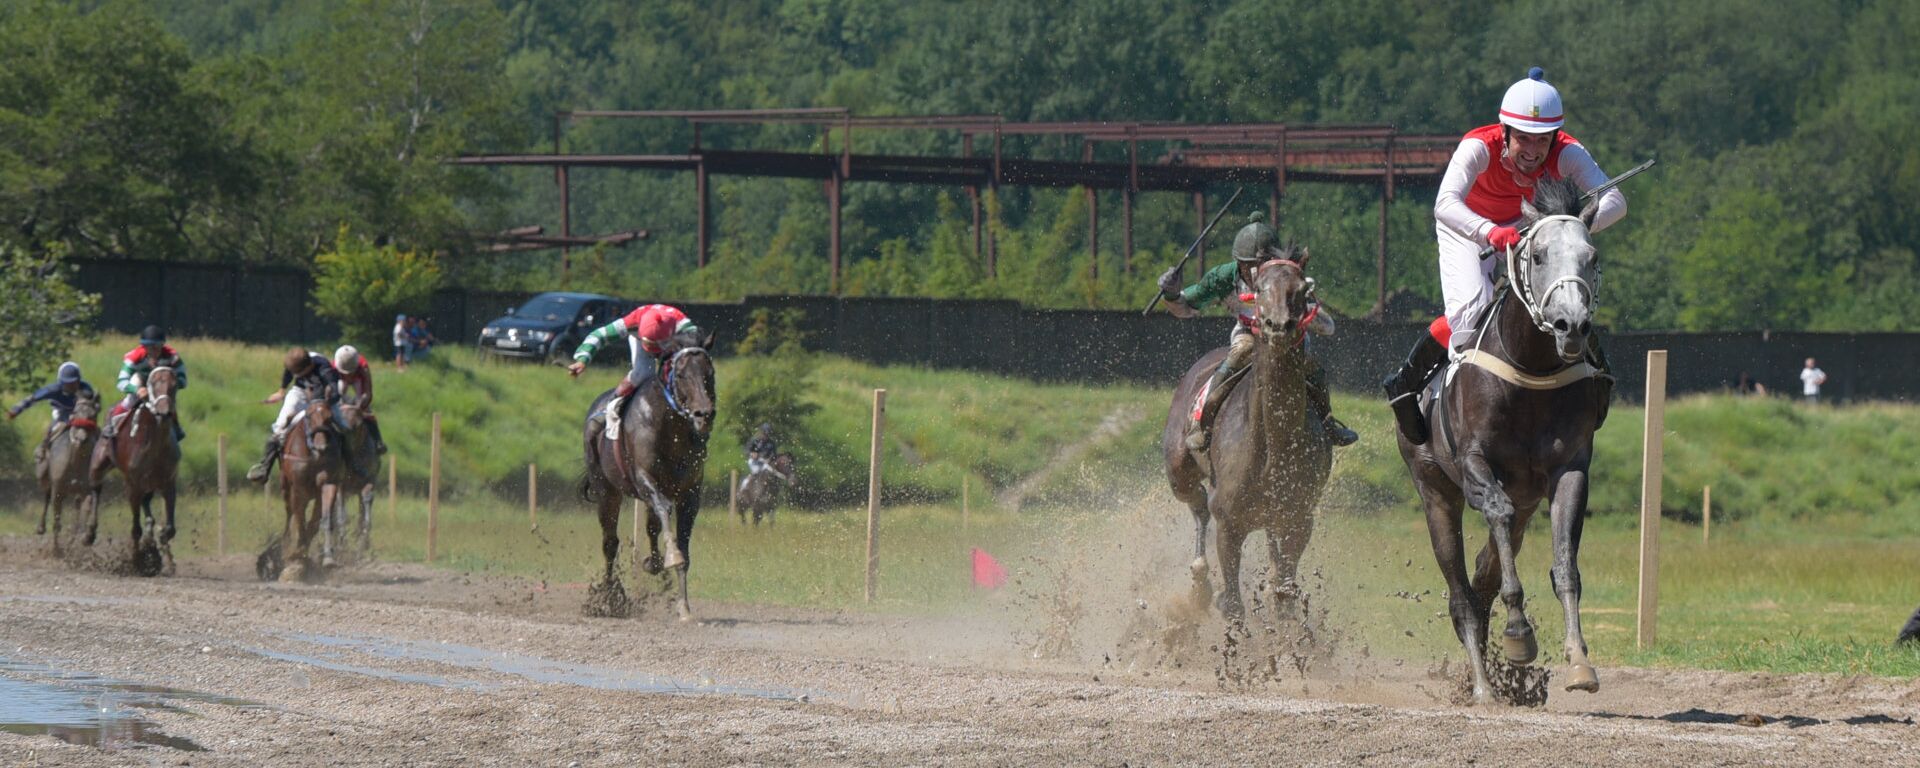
x,y
362,285
45,315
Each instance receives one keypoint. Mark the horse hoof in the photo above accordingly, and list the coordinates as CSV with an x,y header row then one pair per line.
x,y
87,540
1521,649
329,562
294,573
650,565
675,559
1198,567
41,530
1582,678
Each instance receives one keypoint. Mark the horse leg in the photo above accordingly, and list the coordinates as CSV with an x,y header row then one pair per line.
x,y
651,563
329,524
1567,509
685,512
663,510
1285,545
135,501
365,538
1443,508
293,546
1227,545
166,532
1487,495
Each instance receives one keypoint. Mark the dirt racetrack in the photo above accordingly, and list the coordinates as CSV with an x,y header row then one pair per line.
x,y
405,665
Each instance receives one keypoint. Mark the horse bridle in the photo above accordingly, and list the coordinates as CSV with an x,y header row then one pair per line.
x,y
666,384
147,404
1313,302
1523,282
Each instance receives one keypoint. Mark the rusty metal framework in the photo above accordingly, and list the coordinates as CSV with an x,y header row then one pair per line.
x,y
534,238
1191,158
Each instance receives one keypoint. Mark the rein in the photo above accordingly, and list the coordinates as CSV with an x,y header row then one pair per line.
x,y
1313,305
1522,281
666,383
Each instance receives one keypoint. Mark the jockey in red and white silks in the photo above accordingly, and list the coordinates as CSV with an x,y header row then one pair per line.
x,y
1485,181
1493,170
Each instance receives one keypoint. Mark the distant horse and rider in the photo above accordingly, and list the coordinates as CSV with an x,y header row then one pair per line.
x,y
770,475
647,439
61,459
1256,456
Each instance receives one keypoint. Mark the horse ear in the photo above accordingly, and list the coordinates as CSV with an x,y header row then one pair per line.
x,y
1588,213
706,341
1527,212
1304,255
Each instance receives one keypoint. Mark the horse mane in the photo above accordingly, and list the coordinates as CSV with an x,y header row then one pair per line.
x,y
1556,197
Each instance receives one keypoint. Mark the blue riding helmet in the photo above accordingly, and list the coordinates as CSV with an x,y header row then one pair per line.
x,y
152,336
69,372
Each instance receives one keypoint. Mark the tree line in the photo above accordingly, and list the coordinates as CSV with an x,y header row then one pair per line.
x,y
263,131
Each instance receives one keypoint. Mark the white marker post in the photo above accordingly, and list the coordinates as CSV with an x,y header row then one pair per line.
x,y
873,493
1653,458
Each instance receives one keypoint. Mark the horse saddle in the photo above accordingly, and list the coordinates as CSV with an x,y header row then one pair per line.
x,y
1433,404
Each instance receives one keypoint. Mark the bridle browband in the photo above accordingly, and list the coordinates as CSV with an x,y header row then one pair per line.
x,y
1523,281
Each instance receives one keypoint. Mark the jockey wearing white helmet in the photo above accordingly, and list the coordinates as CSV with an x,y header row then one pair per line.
x,y
1478,206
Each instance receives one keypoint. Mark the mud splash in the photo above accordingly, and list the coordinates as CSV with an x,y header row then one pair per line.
x,y
42,700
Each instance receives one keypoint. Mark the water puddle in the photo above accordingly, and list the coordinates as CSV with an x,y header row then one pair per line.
x,y
543,670
78,708
384,674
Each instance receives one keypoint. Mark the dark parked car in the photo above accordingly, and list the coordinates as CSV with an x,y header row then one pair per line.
x,y
550,325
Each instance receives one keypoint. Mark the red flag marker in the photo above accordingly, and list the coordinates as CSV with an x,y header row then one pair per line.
x,y
987,572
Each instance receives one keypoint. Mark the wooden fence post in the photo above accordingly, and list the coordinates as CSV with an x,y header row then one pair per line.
x,y
1652,460
873,492
966,502
221,467
433,489
1706,514
533,497
393,490
733,495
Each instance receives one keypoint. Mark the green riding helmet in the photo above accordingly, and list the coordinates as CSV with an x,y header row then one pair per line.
x,y
1255,239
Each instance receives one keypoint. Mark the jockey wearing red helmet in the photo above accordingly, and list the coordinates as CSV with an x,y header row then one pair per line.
x,y
646,330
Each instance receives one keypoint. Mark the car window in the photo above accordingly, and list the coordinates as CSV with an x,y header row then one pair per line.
x,y
549,307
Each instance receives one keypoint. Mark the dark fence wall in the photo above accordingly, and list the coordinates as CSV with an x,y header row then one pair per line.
x,y
270,305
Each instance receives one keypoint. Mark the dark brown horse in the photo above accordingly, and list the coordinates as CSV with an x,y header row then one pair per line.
x,y
310,465
358,471
1269,459
62,464
148,456
761,492
659,459
1510,439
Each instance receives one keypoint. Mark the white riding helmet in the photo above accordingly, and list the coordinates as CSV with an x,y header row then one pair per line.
x,y
346,358
1532,105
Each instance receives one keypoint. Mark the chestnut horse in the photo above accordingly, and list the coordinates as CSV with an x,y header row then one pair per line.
x,y
659,459
1269,459
358,471
309,468
62,468
148,456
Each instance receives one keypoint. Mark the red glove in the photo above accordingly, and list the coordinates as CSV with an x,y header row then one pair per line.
x,y
1502,238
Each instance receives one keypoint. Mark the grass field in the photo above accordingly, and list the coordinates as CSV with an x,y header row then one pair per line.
x,y
1812,567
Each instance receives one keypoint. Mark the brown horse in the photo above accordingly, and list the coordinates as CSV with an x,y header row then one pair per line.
x,y
1517,428
761,491
62,464
358,471
659,459
309,468
1269,459
148,456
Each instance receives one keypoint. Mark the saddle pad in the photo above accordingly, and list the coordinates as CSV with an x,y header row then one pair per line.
x,y
1200,399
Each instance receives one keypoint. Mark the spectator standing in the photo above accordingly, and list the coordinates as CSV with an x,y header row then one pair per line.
x,y
422,337
1811,377
402,344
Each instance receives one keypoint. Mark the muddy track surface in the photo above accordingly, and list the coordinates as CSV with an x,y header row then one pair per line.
x,y
404,665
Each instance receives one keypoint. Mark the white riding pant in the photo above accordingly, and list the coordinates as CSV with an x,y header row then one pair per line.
x,y
1466,282
292,406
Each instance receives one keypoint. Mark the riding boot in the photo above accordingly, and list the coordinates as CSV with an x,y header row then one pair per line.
x,y
611,417
1322,396
1403,387
1598,358
257,473
1200,430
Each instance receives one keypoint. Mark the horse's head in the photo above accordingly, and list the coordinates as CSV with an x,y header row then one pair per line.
x,y
1557,268
353,412
160,385
1283,295
690,379
83,422
317,418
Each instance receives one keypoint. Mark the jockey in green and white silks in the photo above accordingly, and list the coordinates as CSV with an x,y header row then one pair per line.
x,y
646,331
1254,244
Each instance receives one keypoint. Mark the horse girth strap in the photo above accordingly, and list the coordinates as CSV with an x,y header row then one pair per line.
x,y
1505,371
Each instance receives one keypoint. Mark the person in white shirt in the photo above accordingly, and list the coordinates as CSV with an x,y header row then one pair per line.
x,y
1811,377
